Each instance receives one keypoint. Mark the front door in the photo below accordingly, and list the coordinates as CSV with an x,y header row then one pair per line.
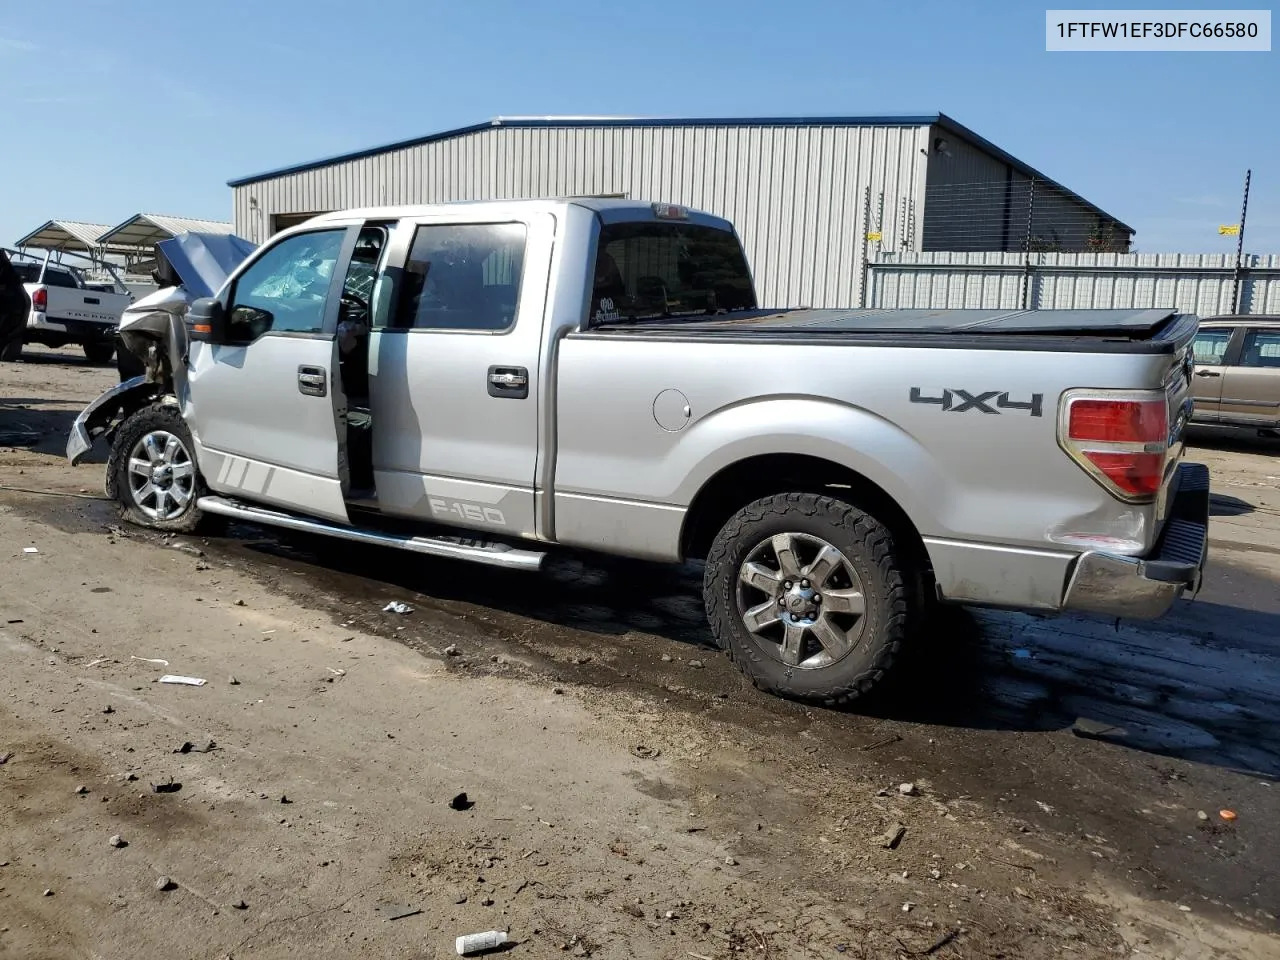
x,y
1251,386
454,372
1209,349
265,408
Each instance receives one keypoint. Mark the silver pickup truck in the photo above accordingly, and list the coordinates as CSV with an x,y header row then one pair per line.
x,y
492,381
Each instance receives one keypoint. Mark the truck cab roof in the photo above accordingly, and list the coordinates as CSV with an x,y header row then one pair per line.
x,y
608,209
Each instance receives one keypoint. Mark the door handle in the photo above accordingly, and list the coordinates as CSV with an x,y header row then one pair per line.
x,y
1207,373
509,382
313,381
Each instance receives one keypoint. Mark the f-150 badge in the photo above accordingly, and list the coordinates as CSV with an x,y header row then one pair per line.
x,y
988,401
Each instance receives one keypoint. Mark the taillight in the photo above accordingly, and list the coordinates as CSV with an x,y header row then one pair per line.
x,y
40,299
1120,439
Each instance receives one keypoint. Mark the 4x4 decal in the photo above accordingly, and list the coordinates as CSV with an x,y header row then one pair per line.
x,y
962,401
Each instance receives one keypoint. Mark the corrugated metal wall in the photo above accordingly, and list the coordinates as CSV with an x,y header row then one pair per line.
x,y
795,193
976,202
1194,283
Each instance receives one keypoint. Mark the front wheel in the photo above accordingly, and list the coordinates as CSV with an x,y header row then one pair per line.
x,y
808,595
153,471
99,352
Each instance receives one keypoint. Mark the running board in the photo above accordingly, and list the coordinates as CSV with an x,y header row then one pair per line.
x,y
458,548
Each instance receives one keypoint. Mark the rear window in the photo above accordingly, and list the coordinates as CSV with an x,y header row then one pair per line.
x,y
655,270
53,277
59,278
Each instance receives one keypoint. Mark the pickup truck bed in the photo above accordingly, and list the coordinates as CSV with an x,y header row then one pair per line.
x,y
1135,331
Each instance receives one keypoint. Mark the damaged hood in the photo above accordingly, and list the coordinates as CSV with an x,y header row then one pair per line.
x,y
201,262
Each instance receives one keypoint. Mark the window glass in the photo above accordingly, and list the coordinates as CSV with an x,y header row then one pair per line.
x,y
286,289
463,277
647,270
1209,346
1261,349
59,278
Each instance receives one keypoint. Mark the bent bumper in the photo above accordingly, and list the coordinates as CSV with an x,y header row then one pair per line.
x,y
94,418
1146,587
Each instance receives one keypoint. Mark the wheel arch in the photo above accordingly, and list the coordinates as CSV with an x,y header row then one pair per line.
x,y
763,475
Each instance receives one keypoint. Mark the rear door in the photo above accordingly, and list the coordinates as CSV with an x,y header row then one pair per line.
x,y
1251,385
265,408
1210,349
454,370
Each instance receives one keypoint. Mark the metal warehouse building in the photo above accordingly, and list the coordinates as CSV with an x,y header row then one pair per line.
x,y
813,198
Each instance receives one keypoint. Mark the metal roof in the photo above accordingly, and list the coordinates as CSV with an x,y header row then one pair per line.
x,y
64,235
147,229
904,120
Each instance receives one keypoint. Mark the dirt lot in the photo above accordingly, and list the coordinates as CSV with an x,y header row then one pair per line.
x,y
630,795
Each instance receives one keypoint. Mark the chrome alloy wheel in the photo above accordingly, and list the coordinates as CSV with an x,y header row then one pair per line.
x,y
162,475
802,600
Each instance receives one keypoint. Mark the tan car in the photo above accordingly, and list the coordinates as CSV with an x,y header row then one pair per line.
x,y
1237,379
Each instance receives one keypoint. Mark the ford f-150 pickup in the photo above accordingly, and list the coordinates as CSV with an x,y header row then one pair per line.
x,y
495,380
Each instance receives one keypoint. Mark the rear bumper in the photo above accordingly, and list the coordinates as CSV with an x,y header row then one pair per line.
x,y
1146,587
41,327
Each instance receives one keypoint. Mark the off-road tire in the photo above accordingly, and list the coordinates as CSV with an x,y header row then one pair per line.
x,y
136,426
99,353
870,549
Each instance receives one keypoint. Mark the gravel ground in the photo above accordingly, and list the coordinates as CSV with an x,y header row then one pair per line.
x,y
628,794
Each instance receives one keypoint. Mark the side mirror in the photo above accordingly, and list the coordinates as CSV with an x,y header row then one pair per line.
x,y
207,320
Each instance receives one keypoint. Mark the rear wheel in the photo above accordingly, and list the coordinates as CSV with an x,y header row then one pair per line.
x,y
99,351
155,475
807,595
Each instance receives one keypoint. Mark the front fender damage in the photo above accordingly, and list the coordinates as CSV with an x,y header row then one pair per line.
x,y
98,418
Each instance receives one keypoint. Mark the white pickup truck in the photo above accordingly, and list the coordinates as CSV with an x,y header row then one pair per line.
x,y
495,381
64,309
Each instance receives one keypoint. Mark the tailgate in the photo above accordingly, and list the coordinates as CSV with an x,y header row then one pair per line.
x,y
1178,394
91,306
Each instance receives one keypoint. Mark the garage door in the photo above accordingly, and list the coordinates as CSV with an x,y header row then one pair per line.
x,y
283,221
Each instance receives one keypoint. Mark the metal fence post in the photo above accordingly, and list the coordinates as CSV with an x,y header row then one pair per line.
x,y
1026,247
866,228
1237,276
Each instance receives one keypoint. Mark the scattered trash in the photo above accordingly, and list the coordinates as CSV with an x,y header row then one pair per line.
x,y
884,742
1022,654
48,893
1044,806
1227,815
729,861
1201,815
480,942
205,746
893,836
82,790
155,660
451,650
907,789
396,911
667,658
185,681
337,672
187,548
164,883
170,787
460,802
1184,908
94,663
30,550
644,752
117,841
907,907
5,758
395,606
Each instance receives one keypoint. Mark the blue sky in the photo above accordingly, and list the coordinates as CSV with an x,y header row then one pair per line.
x,y
118,107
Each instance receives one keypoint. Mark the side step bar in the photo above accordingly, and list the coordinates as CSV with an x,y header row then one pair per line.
x,y
458,548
